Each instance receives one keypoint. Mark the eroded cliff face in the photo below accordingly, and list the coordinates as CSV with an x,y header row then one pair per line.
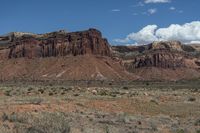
x,y
167,55
160,59
55,44
162,55
36,56
168,60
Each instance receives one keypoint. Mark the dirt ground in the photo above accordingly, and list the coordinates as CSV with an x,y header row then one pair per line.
x,y
36,108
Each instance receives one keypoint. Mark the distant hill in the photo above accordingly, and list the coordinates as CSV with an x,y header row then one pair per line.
x,y
86,55
164,60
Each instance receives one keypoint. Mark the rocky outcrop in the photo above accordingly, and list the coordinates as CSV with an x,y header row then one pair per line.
x,y
161,59
166,45
167,55
169,60
54,44
161,54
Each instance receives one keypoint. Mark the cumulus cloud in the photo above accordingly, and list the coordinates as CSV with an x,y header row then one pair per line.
x,y
139,4
152,11
145,35
156,1
186,33
193,42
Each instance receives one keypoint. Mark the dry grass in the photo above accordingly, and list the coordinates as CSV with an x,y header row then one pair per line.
x,y
59,108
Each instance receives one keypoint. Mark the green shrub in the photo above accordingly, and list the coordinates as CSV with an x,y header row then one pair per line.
x,y
125,88
50,93
4,117
180,131
197,122
41,91
76,94
30,89
192,99
7,93
49,123
41,123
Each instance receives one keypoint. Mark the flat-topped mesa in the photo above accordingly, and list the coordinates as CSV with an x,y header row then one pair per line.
x,y
55,44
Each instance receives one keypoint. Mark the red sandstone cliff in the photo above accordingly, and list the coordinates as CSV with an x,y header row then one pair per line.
x,y
160,60
86,55
56,44
83,55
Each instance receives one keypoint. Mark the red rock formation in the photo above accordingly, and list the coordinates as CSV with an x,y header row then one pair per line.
x,y
160,59
57,44
158,54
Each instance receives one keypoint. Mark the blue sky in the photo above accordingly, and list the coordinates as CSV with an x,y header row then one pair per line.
x,y
116,19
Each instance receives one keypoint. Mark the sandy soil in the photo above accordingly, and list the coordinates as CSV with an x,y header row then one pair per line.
x,y
119,109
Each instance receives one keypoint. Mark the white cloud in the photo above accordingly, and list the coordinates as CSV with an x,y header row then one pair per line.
x,y
126,40
156,1
152,11
193,42
128,44
115,10
186,33
147,34
139,4
172,8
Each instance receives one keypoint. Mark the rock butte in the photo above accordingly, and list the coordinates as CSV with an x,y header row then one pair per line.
x,y
165,60
55,44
